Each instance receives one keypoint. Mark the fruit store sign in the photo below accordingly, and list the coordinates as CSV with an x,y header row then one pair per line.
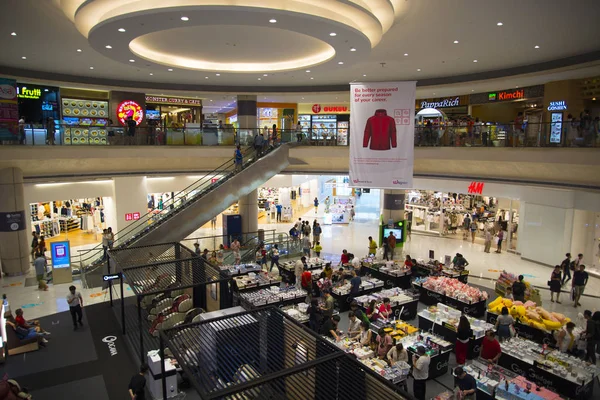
x,y
130,108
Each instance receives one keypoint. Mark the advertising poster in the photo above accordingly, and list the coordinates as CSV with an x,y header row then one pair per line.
x,y
556,127
382,144
61,254
9,109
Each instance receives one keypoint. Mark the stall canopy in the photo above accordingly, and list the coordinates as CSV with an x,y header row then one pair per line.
x,y
265,354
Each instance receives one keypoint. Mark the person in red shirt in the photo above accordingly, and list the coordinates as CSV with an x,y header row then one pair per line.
x,y
373,311
408,262
490,348
385,310
345,257
306,280
23,323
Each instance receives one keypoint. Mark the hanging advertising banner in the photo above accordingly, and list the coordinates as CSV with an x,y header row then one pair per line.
x,y
9,109
382,150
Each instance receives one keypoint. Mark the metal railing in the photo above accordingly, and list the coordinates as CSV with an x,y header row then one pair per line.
x,y
563,134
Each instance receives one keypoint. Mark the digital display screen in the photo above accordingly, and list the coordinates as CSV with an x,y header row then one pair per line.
x,y
152,114
61,255
397,232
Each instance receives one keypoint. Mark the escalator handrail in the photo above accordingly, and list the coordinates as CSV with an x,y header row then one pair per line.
x,y
202,181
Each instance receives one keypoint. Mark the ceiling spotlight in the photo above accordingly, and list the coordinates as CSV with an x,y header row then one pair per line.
x,y
79,50
352,49
536,47
434,93
405,54
333,34
456,42
185,19
121,30
364,75
418,69
265,74
206,77
340,62
24,58
516,87
312,77
499,24
151,74
108,46
218,74
472,90
91,67
210,99
308,70
474,60
131,60
273,21
593,99
13,34
45,90
170,70
259,79
303,98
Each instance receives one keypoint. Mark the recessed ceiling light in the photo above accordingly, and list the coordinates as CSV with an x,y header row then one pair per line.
x,y
265,74
24,58
308,70
474,60
499,24
456,42
405,54
211,100
13,34
108,46
516,87
45,90
364,75
206,77
170,70
472,90
593,98
312,77
536,47
333,34
303,98
121,30
273,21
185,19
132,60
434,93
79,50
259,79
352,49
151,73
340,62
418,69
91,67
218,74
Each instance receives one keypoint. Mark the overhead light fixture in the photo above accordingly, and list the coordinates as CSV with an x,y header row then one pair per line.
x,y
312,77
131,60
13,34
259,79
151,74
91,67
499,24
121,30
516,87
265,74
303,98
108,46
474,60
418,69
593,99
45,90
333,34
206,77
170,70
24,58
472,90
79,50
211,100
434,93
405,54
352,49
185,19
218,74
308,70
456,42
340,62
273,21
536,47
364,75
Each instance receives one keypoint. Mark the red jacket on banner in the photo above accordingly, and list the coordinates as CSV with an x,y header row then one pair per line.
x,y
381,131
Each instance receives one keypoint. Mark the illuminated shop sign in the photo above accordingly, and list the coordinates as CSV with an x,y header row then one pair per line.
x,y
476,188
132,216
130,108
173,100
448,102
317,108
507,95
557,105
25,93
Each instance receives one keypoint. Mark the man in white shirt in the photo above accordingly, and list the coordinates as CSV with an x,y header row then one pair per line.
x,y
353,325
298,270
420,371
75,304
356,264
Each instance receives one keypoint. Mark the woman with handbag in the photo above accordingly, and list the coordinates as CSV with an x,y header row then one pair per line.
x,y
505,325
555,284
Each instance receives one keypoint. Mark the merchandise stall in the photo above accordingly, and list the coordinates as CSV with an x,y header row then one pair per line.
x,y
287,268
325,123
274,295
507,279
339,211
559,372
443,320
35,105
453,293
86,121
341,293
299,312
393,273
435,268
404,303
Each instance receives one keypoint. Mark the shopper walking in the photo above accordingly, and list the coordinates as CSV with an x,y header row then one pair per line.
x,y
306,245
237,156
274,135
578,261
386,249
580,279
463,336
555,284
298,270
500,238
488,240
40,264
110,238
316,204
473,228
137,384
22,130
75,302
592,336
235,248
392,245
275,257
518,289
131,126
50,131
298,129
566,268
420,372
372,246
317,230
504,323
258,144
279,208
34,244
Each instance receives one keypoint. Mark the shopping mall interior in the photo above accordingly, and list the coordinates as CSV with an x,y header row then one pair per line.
x,y
297,199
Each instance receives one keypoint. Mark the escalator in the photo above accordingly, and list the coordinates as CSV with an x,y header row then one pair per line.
x,y
180,217
287,248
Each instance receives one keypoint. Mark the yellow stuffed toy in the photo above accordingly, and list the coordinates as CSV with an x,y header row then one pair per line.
x,y
495,303
551,325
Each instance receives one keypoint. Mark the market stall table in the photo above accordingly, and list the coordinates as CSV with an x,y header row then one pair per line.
x,y
527,332
430,297
392,274
342,293
403,303
433,268
288,268
271,296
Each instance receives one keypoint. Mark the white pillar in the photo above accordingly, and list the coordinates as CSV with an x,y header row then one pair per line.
x,y
248,206
14,238
130,196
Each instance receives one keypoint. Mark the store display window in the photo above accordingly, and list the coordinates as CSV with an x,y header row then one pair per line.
x,y
85,121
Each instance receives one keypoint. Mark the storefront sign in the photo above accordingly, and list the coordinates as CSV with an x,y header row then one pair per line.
x,y
24,93
528,92
132,216
556,119
476,188
557,105
449,102
173,100
12,221
340,108
111,277
383,112
130,108
8,90
61,254
9,109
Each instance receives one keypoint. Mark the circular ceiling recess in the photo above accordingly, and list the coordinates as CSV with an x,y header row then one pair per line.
x,y
239,36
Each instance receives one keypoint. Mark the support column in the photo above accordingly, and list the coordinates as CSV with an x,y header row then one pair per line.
x,y
130,196
248,206
246,111
392,205
14,241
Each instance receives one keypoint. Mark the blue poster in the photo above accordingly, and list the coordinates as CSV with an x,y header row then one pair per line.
x,y
61,254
